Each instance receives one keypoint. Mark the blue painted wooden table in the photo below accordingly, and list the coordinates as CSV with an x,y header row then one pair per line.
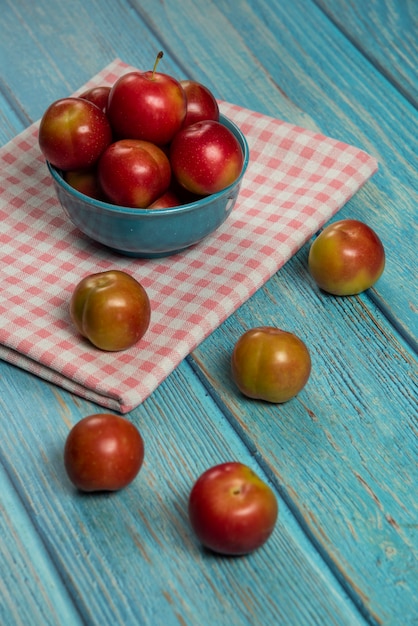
x,y
342,456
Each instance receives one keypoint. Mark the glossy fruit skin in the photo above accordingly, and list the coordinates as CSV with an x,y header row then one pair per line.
x,y
270,364
206,157
231,510
346,258
146,105
201,103
98,96
86,182
73,133
134,173
167,200
103,452
111,309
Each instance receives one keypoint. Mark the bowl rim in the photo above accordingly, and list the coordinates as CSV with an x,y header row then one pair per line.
x,y
146,212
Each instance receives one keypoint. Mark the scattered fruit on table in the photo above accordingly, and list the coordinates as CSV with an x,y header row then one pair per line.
x,y
151,141
346,258
270,364
111,309
231,510
103,452
91,132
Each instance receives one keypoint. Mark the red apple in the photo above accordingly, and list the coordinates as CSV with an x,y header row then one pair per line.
x,y
201,103
134,173
231,510
111,309
175,195
167,200
73,133
206,157
270,364
346,258
147,105
103,452
86,182
98,95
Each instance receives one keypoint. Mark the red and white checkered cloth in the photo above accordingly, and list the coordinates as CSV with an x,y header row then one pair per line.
x,y
296,180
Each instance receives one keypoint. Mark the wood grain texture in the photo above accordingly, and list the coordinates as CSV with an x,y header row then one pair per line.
x,y
131,558
341,456
309,65
31,590
386,33
335,91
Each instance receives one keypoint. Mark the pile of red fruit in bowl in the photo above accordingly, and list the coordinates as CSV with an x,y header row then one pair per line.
x,y
148,143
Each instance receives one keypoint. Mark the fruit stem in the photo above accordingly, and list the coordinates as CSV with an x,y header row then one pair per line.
x,y
157,60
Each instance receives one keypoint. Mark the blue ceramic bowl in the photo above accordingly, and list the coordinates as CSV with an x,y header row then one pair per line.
x,y
149,233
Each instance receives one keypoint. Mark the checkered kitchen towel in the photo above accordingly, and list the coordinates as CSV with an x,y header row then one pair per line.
x,y
296,180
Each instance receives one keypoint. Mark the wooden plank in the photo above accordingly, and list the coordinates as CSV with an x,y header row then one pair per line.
x,y
265,58
269,45
337,114
336,91
130,557
386,33
343,453
31,590
10,124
